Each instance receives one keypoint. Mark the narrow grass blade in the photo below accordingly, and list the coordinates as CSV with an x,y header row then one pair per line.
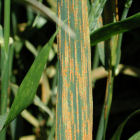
x,y
5,52
109,30
118,132
118,49
100,131
109,89
106,107
28,87
4,44
44,10
136,136
96,9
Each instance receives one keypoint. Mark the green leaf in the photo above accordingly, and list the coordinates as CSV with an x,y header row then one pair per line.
x,y
100,130
119,130
36,101
136,136
2,120
28,87
1,34
109,30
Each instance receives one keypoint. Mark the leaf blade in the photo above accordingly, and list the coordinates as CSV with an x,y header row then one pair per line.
x,y
136,136
28,87
119,130
109,30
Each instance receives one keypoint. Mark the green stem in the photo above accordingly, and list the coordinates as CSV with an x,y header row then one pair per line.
x,y
109,87
4,86
124,15
6,24
5,57
106,107
108,99
5,63
0,10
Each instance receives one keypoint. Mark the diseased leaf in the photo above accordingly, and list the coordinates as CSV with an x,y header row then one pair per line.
x,y
74,99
